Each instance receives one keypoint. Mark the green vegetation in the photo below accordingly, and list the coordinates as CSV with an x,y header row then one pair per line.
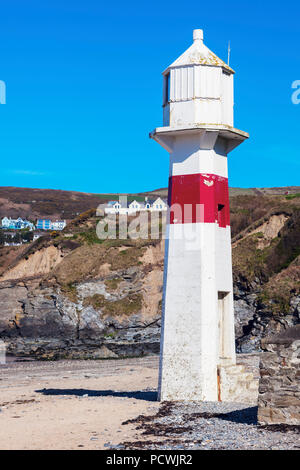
x,y
278,290
89,236
277,266
85,261
292,196
112,284
108,197
70,291
248,260
287,248
110,335
278,301
125,258
54,234
246,209
128,306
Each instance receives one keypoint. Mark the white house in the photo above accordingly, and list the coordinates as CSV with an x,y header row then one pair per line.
x,y
58,225
115,207
36,236
5,222
159,205
136,206
16,224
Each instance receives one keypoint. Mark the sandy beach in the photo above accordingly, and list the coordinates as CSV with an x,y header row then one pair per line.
x,y
74,404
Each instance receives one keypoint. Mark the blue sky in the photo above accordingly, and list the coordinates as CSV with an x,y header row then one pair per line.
x,y
84,88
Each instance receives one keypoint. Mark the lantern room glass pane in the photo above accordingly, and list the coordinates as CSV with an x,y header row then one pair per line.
x,y
167,88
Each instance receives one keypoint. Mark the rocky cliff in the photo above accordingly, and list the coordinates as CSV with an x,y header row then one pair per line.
x,y
69,297
266,268
70,294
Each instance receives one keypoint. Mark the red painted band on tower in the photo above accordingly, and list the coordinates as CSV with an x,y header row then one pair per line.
x,y
199,197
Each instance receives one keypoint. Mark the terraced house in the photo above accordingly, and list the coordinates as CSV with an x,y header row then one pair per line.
x,y
47,224
116,207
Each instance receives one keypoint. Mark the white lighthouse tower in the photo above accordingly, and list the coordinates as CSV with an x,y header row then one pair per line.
x,y
198,319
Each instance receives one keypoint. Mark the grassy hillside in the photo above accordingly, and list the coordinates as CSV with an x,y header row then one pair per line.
x,y
35,203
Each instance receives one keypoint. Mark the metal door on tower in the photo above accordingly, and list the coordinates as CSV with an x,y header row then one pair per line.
x,y
223,298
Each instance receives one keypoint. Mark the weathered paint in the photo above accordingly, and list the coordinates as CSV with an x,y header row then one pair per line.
x,y
200,85
197,266
209,191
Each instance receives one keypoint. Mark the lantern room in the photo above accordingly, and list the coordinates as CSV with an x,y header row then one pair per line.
x,y
198,88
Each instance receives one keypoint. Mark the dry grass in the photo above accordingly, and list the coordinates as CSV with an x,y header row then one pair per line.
x,y
85,261
279,289
112,284
130,305
249,261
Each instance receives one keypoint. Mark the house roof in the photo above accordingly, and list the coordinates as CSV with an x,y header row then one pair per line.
x,y
160,199
199,54
112,203
19,219
150,201
141,204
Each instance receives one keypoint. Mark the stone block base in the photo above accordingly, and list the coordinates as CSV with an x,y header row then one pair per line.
x,y
237,385
279,385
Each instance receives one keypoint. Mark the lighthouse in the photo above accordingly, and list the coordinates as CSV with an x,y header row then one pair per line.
x,y
197,339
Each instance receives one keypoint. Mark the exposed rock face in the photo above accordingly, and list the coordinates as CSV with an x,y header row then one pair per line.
x,y
114,316
11,295
88,320
255,320
279,386
266,265
245,302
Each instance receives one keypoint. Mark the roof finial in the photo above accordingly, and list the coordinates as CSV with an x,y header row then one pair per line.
x,y
198,35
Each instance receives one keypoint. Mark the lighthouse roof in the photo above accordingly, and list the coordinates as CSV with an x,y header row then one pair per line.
x,y
199,54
